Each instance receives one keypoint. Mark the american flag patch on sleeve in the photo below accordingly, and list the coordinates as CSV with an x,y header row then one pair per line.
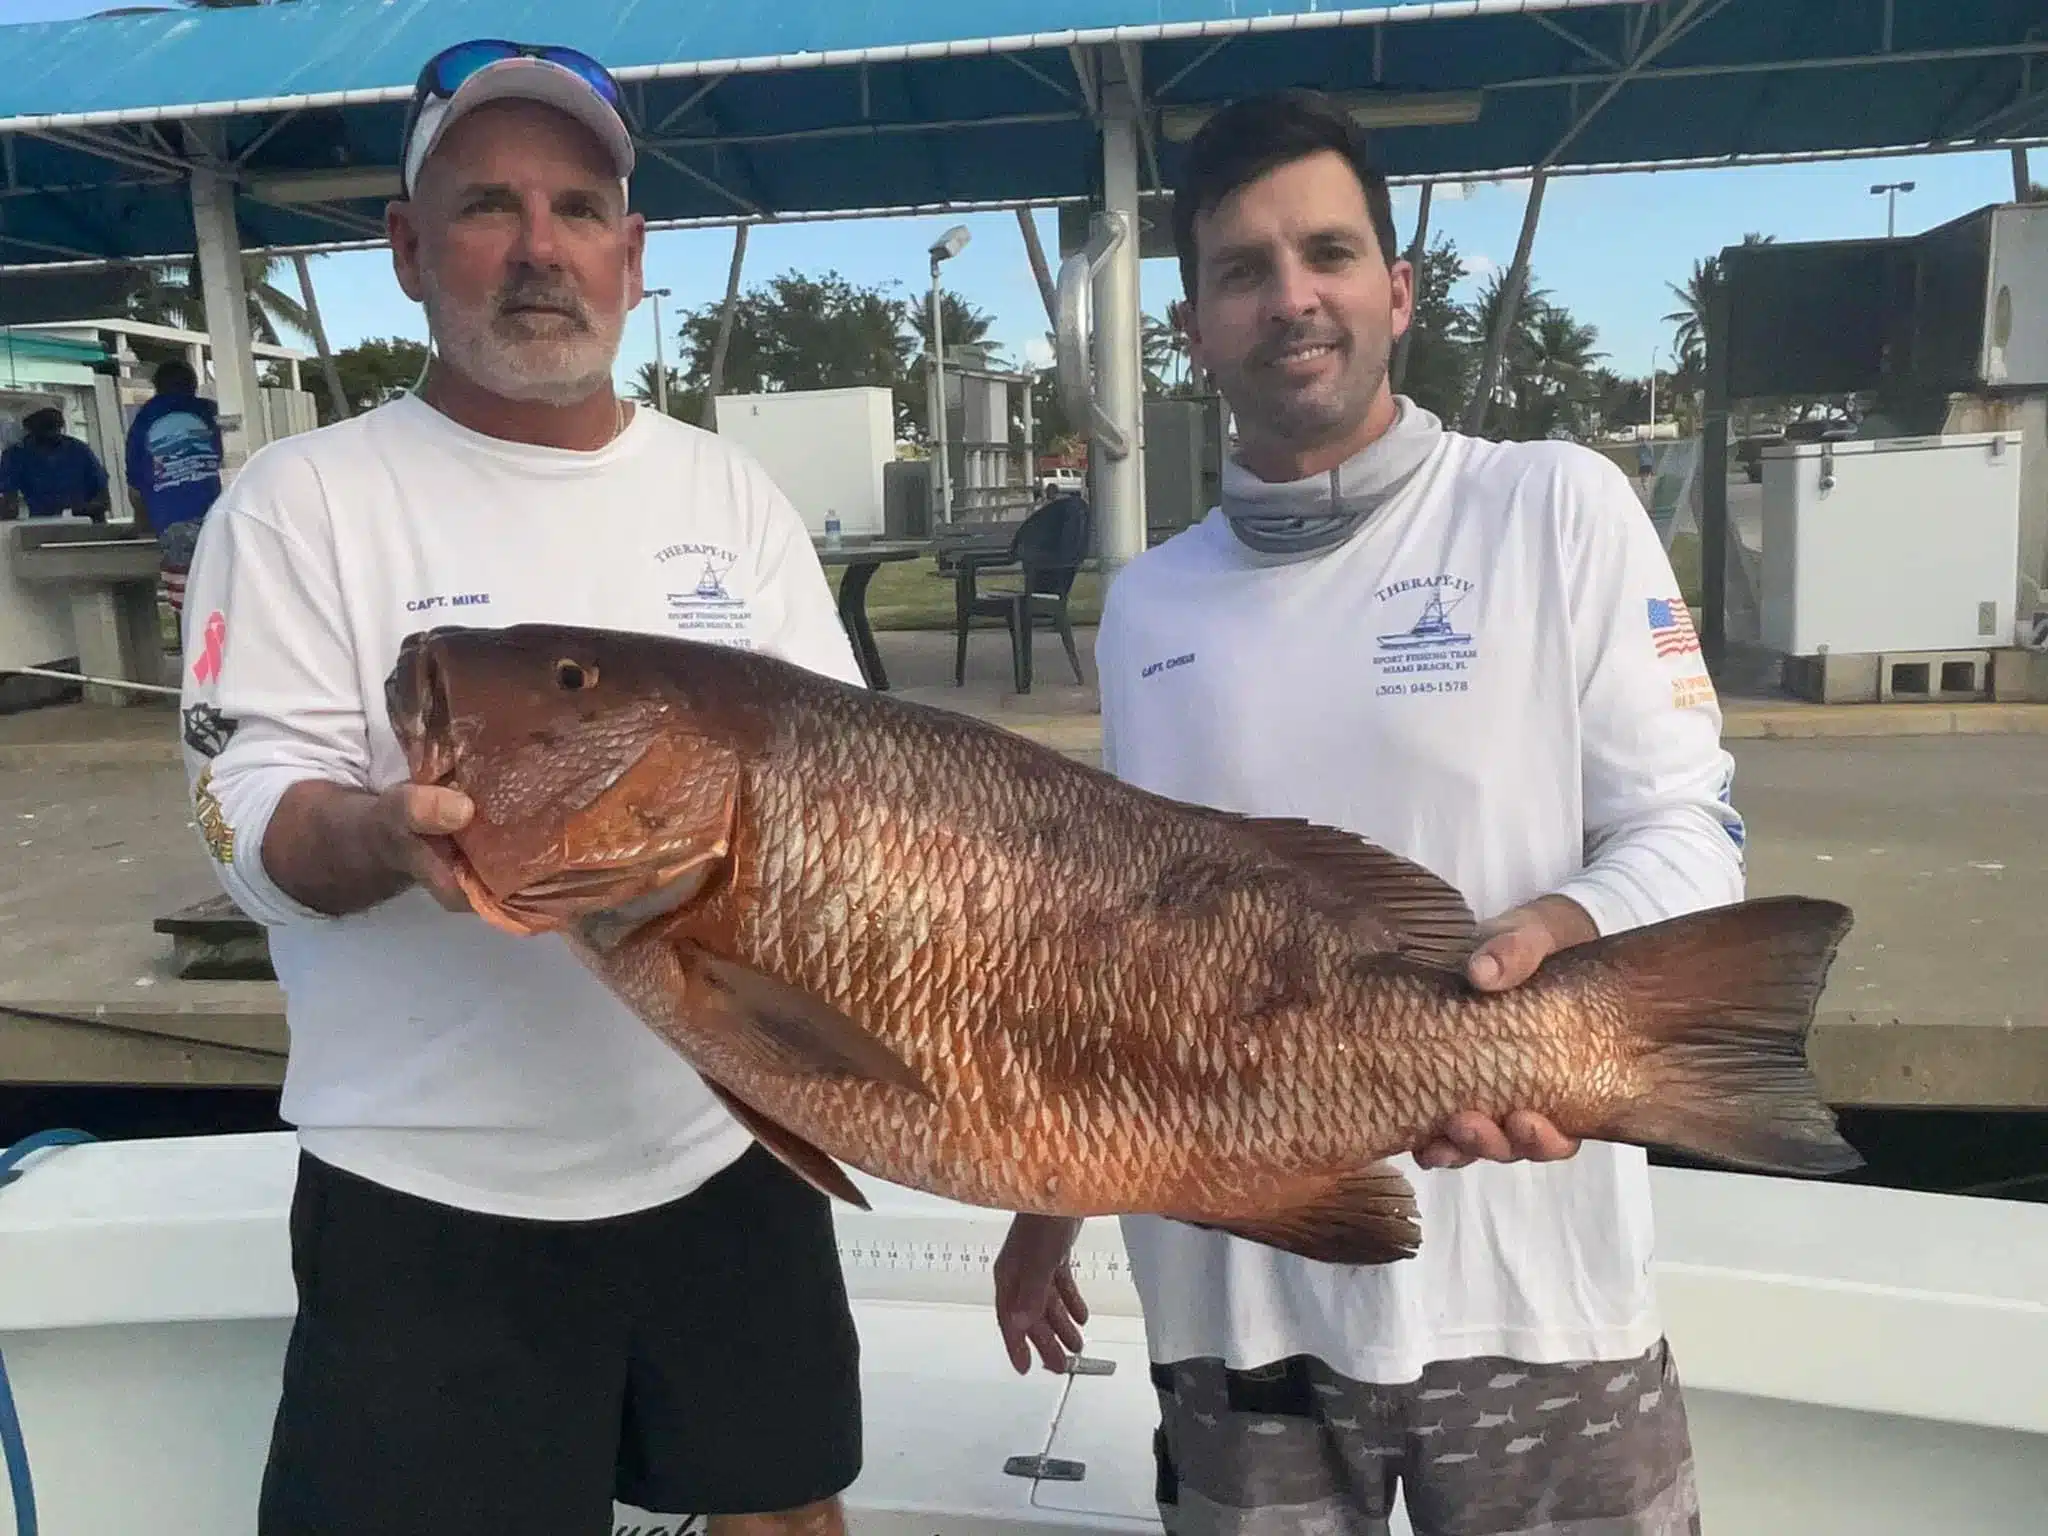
x,y
1671,627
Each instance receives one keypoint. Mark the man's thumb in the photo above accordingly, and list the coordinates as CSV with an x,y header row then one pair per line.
x,y
435,809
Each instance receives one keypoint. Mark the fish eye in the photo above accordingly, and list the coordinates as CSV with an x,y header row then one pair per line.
x,y
574,676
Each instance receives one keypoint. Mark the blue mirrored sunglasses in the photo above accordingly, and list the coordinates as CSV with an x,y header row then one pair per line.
x,y
446,71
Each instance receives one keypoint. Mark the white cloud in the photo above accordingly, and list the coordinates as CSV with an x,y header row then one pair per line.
x,y
1038,352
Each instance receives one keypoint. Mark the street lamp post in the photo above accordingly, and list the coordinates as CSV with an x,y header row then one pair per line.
x,y
945,248
660,372
1890,191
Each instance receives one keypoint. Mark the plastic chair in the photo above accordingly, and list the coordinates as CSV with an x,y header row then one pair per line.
x,y
1049,547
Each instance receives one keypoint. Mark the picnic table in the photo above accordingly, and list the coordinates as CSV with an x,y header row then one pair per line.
x,y
862,557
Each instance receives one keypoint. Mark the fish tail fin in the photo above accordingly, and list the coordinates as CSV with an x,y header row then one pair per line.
x,y
1723,1001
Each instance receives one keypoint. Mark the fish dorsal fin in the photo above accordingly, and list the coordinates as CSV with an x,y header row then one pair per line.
x,y
1393,901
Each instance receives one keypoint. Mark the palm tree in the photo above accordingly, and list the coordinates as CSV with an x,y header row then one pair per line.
x,y
172,296
962,323
1163,354
1511,384
1562,380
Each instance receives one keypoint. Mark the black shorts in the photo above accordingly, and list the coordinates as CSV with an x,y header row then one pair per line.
x,y
455,1373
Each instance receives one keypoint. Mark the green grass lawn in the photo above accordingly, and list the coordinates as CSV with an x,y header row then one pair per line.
x,y
911,594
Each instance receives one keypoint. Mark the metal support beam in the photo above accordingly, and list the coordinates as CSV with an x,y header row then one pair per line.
x,y
1597,54
2022,182
744,204
1165,90
1042,78
1034,249
335,396
227,316
1511,301
683,108
1714,541
722,342
1416,251
1119,482
1133,67
1680,24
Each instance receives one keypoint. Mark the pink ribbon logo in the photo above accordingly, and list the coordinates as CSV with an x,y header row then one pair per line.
x,y
207,667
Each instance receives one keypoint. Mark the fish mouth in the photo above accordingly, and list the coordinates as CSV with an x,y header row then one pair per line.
x,y
416,699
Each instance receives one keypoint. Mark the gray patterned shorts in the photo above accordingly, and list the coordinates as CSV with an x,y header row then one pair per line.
x,y
1481,1447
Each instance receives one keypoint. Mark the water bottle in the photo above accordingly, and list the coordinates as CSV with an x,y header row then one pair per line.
x,y
831,530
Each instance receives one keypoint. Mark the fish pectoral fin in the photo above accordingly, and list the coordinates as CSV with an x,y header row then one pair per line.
x,y
815,1168
1389,897
1367,1217
791,1032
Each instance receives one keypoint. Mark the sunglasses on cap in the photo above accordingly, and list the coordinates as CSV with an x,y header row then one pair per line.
x,y
446,71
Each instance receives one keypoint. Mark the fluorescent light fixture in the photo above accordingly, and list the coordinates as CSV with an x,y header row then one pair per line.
x,y
324,186
1368,109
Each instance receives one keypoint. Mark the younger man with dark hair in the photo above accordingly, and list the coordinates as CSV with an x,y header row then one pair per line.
x,y
1450,647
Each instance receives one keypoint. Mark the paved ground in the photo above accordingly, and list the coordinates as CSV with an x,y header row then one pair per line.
x,y
1935,841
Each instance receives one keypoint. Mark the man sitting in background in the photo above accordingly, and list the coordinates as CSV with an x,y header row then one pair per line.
x,y
52,471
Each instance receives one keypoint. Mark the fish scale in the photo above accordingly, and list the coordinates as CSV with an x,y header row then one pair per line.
x,y
897,938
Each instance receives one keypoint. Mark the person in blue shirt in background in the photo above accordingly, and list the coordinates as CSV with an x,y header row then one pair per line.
x,y
174,456
51,471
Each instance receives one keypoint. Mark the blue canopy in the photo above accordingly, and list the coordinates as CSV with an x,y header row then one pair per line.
x,y
814,108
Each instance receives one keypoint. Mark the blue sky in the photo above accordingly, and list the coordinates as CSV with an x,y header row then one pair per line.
x,y
1607,246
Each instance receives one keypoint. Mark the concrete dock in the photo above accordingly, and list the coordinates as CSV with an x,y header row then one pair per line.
x,y
1929,820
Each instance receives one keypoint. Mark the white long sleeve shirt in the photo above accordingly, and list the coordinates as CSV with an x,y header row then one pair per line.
x,y
430,1052
1496,677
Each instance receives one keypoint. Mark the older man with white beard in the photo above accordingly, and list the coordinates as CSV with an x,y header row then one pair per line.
x,y
538,1264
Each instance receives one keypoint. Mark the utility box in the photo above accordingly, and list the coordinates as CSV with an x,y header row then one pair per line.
x,y
1183,462
827,449
1891,544
1977,315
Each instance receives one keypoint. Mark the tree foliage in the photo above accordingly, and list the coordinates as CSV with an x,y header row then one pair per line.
x,y
798,332
373,372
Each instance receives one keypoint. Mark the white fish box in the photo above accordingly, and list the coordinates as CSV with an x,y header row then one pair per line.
x,y
825,448
1891,545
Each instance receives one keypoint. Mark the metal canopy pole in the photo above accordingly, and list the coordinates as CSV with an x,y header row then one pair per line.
x,y
1415,254
1119,480
723,340
2022,182
335,395
1511,301
1034,249
226,295
1713,490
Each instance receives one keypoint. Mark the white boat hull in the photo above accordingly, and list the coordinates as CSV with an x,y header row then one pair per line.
x,y
1857,1361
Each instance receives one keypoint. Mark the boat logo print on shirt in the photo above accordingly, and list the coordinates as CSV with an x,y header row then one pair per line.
x,y
699,595
1432,651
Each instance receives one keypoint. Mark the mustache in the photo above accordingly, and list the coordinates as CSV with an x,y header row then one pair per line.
x,y
539,291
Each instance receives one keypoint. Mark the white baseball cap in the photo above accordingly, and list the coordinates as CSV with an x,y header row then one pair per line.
x,y
492,72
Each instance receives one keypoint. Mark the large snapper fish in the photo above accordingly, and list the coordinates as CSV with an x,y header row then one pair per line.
x,y
897,938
